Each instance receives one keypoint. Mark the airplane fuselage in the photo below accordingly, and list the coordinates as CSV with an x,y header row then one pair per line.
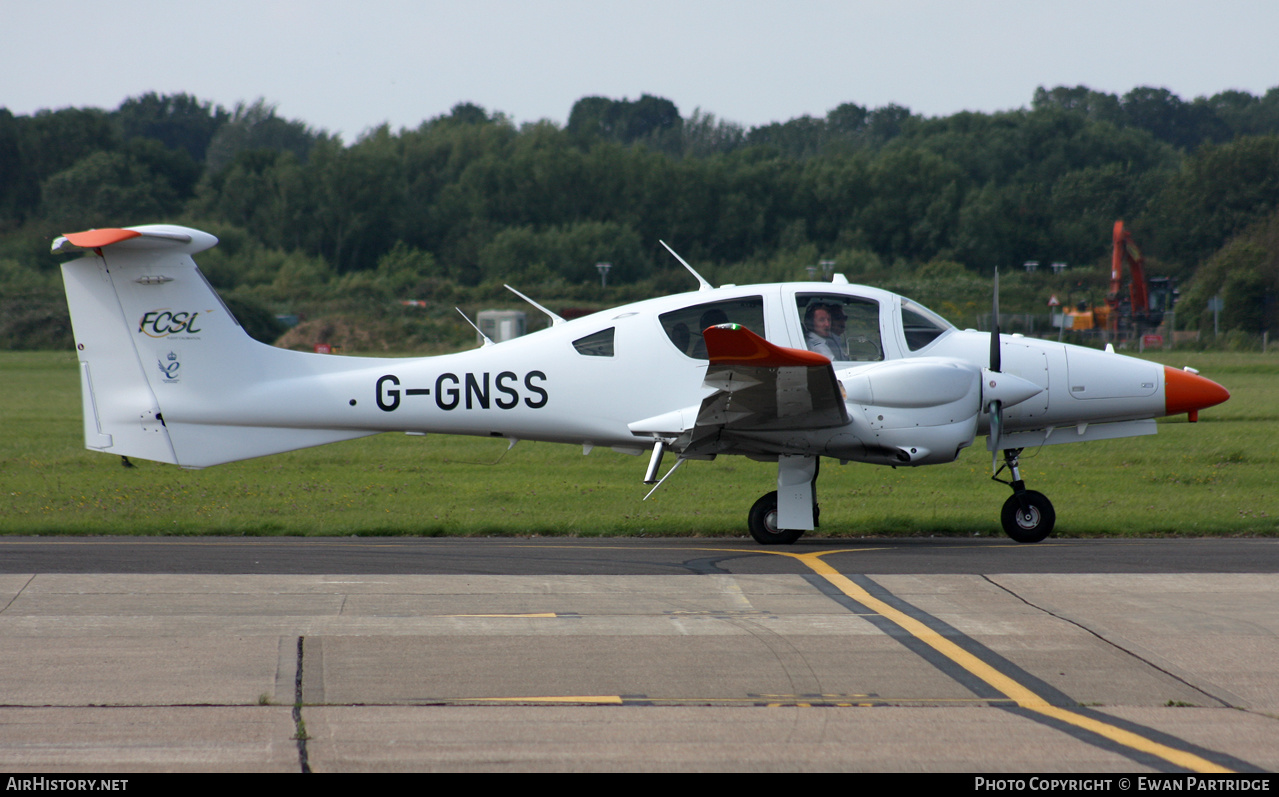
x,y
547,386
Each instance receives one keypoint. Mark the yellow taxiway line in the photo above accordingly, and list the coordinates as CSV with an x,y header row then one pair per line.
x,y
1018,693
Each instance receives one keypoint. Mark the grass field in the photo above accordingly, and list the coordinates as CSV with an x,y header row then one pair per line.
x,y
1217,477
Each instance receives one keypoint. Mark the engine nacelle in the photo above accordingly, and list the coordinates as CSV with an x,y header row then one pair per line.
x,y
909,412
925,445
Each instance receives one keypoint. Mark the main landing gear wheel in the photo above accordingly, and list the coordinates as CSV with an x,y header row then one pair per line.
x,y
1028,516
762,522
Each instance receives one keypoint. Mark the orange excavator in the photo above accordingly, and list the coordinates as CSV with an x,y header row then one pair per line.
x,y
1143,309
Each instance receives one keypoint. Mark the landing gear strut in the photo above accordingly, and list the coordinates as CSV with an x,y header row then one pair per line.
x,y
1027,515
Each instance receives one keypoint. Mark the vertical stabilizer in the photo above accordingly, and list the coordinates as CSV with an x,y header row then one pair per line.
x,y
121,414
166,371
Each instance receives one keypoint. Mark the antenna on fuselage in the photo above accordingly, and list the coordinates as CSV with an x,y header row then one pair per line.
x,y
703,285
487,341
555,319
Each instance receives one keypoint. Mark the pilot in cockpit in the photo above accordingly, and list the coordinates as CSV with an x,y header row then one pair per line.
x,y
838,331
711,318
817,331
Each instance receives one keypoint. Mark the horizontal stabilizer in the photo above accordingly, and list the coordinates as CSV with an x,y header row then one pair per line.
x,y
148,237
205,445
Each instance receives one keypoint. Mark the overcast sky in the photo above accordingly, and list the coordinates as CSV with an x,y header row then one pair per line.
x,y
349,66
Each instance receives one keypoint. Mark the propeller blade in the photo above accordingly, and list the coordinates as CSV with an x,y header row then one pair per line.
x,y
999,391
996,431
994,328
996,365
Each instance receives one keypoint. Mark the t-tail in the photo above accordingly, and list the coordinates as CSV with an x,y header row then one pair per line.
x,y
166,371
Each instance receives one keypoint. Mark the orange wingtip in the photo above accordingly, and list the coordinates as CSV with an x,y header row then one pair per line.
x,y
733,344
92,239
1186,392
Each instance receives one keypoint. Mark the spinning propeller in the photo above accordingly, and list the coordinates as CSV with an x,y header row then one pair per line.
x,y
995,406
1000,390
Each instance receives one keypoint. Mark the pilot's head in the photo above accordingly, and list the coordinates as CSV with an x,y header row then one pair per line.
x,y
838,320
713,317
817,319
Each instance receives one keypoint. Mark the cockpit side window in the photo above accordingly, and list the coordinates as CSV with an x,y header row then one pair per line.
x,y
684,326
921,325
843,328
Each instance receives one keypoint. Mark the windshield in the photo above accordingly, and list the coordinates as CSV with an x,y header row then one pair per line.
x,y
921,325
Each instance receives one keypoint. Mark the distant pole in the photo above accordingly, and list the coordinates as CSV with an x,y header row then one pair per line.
x,y
603,269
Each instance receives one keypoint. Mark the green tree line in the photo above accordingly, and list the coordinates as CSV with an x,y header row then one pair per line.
x,y
469,198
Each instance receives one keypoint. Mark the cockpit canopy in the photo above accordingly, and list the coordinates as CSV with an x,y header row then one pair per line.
x,y
848,323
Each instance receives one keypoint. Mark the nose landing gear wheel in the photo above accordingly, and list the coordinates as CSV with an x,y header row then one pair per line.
x,y
762,522
1030,523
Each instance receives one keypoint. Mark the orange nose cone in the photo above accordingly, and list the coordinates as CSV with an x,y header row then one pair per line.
x,y
1187,392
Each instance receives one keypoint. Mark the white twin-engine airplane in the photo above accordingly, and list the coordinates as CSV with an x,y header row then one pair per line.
x,y
784,373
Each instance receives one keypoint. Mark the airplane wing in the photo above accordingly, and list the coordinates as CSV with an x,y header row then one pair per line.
x,y
761,387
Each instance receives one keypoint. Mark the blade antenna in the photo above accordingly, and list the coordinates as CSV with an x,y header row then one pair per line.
x,y
703,285
487,342
555,319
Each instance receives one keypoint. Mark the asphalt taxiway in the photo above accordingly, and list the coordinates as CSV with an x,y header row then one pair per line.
x,y
202,654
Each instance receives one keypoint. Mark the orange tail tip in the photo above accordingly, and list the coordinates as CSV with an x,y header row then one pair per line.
x,y
1189,393
734,344
92,239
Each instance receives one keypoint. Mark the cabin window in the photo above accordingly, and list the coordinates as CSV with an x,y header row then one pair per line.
x,y
921,325
684,326
599,344
843,328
